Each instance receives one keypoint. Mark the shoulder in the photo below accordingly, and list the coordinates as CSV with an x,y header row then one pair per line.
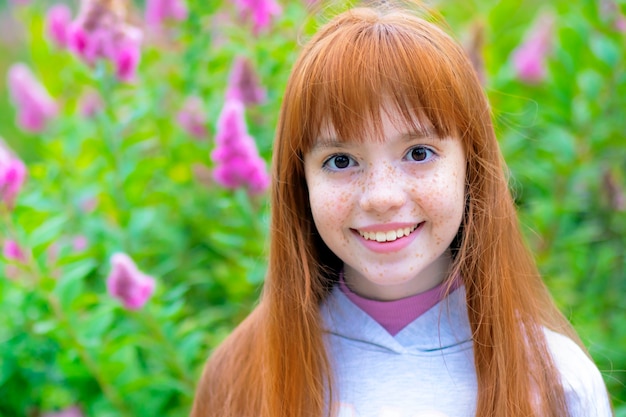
x,y
583,384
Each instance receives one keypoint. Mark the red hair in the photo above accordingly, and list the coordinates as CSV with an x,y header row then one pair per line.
x,y
275,362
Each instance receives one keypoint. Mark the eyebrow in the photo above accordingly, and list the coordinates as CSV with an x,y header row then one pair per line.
x,y
326,143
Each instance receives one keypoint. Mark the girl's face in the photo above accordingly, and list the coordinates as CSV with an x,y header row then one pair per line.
x,y
390,208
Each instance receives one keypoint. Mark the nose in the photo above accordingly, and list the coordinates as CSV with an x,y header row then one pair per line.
x,y
382,189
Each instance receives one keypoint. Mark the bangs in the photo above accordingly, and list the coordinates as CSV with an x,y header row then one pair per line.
x,y
363,62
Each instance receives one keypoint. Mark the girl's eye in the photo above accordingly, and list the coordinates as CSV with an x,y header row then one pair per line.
x,y
420,154
339,162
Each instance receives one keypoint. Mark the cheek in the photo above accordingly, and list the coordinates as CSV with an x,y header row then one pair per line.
x,y
442,198
330,205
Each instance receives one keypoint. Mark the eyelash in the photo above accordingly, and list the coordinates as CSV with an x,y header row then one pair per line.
x,y
329,160
430,154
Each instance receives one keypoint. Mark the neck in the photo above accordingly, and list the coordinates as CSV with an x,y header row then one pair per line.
x,y
425,280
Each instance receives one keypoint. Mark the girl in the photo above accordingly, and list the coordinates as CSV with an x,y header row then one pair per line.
x,y
398,282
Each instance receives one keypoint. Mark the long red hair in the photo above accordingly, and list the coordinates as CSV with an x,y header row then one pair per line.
x,y
275,362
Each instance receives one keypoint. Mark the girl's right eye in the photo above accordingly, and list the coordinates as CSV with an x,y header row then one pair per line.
x,y
338,162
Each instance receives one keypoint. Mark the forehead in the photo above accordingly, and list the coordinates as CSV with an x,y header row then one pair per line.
x,y
361,68
388,122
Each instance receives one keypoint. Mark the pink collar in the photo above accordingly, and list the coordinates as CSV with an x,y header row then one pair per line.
x,y
397,314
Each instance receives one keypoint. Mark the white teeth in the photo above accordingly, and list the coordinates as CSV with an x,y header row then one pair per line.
x,y
389,236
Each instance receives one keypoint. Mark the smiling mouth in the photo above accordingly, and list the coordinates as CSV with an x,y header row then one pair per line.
x,y
389,236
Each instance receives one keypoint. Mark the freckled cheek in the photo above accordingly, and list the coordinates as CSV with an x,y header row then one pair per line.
x,y
331,208
440,199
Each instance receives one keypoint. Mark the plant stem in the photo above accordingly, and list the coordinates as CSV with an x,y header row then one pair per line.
x,y
107,389
170,350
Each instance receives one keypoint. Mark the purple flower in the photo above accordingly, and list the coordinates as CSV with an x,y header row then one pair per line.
x,y
12,175
157,11
129,285
58,19
237,160
100,31
529,59
11,250
34,104
126,55
192,118
68,412
243,83
260,11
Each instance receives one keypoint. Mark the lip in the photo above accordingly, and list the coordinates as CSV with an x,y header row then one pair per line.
x,y
388,247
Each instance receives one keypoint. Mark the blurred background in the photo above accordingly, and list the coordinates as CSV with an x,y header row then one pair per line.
x,y
134,171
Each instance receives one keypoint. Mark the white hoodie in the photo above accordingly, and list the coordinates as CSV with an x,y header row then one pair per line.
x,y
427,369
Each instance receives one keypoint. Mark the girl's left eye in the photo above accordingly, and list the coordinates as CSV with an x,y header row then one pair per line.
x,y
420,154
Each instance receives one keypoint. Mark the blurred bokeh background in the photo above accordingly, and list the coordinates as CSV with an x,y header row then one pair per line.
x,y
134,174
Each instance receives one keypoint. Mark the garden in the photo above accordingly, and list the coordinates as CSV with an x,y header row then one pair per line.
x,y
135,140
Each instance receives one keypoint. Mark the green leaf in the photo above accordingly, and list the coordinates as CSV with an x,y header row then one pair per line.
x,y
590,82
605,49
48,231
70,283
95,325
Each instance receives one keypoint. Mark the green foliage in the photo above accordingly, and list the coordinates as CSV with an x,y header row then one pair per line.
x,y
130,180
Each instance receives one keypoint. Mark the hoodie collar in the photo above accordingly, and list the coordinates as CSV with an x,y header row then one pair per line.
x,y
444,326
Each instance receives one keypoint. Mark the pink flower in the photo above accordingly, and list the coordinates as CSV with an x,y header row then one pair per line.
x,y
157,11
192,118
238,163
80,243
68,412
12,175
129,285
126,55
11,250
34,104
90,103
100,31
529,59
243,83
260,11
58,19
